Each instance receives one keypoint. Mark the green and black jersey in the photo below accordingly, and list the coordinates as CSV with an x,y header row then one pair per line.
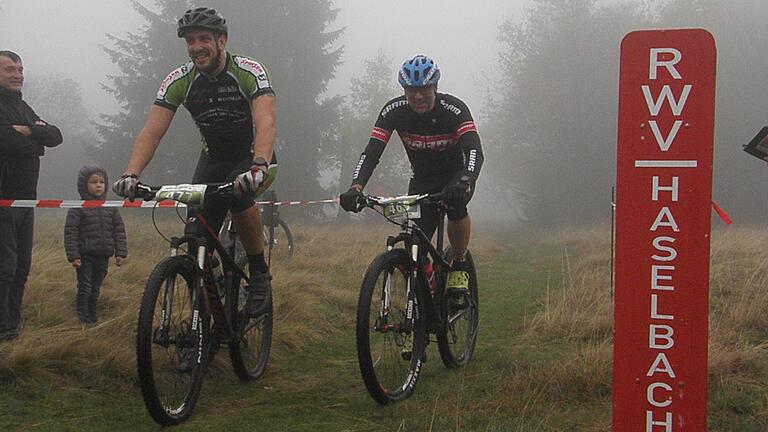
x,y
220,105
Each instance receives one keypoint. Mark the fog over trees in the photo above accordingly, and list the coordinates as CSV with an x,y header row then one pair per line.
x,y
551,134
548,129
300,64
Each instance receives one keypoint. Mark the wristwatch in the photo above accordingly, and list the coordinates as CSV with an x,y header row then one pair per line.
x,y
261,163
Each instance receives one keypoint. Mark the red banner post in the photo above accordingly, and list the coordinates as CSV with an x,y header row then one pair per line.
x,y
663,196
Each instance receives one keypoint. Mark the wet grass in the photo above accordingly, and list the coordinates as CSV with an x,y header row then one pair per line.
x,y
542,363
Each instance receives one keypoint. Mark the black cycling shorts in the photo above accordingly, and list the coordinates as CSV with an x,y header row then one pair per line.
x,y
430,213
210,170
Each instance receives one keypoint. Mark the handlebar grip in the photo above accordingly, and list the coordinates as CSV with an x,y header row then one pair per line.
x,y
145,192
439,196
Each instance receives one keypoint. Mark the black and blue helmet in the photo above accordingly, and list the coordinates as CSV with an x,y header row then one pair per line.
x,y
420,71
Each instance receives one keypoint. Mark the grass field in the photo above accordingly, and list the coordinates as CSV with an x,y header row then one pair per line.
x,y
542,363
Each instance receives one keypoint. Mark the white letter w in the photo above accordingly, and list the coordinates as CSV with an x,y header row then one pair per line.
x,y
666,93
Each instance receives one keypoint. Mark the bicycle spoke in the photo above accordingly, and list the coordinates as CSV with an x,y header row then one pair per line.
x,y
170,383
253,337
385,334
170,342
457,341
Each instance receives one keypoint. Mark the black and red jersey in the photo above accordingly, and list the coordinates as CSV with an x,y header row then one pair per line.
x,y
439,143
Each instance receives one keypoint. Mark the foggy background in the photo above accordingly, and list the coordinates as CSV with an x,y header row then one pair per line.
x,y
540,77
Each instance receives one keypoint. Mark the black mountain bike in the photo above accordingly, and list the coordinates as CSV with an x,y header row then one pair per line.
x,y
193,303
278,238
403,300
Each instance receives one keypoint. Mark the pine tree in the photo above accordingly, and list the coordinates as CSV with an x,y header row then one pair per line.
x,y
300,63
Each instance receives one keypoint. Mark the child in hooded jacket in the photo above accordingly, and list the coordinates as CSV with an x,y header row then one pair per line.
x,y
91,237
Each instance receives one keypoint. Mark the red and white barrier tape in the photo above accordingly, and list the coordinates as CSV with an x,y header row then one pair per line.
x,y
128,204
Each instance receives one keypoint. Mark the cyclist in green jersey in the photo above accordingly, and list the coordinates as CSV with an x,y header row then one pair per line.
x,y
232,102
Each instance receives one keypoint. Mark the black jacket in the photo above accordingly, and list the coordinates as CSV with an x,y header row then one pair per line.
x,y
93,231
20,154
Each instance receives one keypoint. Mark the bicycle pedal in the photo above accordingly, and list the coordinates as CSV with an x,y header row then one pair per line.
x,y
458,280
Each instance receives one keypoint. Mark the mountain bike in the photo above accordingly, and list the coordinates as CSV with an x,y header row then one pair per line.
x,y
404,299
278,238
192,304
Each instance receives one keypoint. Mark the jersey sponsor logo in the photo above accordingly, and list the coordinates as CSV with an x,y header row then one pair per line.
x,y
467,126
449,107
392,106
262,81
228,89
172,77
435,143
356,174
381,134
250,65
472,160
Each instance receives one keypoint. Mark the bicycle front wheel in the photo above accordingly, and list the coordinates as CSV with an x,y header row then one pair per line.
x,y
280,239
172,341
390,340
252,337
457,339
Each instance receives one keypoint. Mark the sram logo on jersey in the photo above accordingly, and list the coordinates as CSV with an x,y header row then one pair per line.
x,y
173,77
449,107
356,174
472,160
392,106
427,142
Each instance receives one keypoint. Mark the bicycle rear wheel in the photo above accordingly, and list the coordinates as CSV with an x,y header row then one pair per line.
x,y
390,344
282,240
252,338
172,341
456,340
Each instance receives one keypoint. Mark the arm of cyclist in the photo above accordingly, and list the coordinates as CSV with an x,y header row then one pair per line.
x,y
263,114
352,199
473,155
456,193
158,122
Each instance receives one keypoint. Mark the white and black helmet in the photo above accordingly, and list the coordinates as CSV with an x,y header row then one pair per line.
x,y
202,17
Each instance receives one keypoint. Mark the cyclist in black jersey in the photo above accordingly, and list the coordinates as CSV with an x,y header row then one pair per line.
x,y
232,103
443,146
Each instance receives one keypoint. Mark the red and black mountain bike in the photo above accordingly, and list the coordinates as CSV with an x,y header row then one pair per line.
x,y
194,302
404,299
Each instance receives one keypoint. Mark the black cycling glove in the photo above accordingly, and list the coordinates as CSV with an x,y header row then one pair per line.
x,y
352,200
455,194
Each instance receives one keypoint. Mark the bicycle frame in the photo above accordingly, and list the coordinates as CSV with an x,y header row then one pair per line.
x,y
200,237
413,238
400,306
193,284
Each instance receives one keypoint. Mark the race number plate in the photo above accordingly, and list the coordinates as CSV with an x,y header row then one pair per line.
x,y
188,194
400,210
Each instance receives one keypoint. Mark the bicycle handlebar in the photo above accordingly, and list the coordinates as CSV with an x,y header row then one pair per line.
x,y
373,201
190,194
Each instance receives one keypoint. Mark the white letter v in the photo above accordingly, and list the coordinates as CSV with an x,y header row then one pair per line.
x,y
665,143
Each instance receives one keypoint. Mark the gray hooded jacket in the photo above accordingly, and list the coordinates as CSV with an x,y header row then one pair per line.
x,y
94,231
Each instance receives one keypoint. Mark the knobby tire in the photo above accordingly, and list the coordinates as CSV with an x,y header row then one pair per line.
x,y
387,346
189,336
456,341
